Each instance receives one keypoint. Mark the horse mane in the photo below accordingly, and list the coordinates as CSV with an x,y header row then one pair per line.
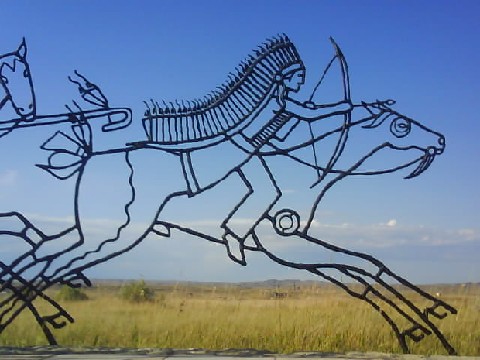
x,y
9,60
225,108
6,60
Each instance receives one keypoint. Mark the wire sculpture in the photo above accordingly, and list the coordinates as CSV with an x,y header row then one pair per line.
x,y
254,116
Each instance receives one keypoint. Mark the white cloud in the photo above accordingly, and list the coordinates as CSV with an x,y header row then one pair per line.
x,y
348,235
51,219
8,178
468,234
182,256
377,235
392,222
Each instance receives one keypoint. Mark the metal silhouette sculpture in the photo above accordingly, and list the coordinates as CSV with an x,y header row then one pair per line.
x,y
256,119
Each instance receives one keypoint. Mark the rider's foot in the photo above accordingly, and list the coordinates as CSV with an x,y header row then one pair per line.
x,y
235,249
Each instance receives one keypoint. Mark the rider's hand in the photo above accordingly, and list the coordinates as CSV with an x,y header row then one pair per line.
x,y
309,105
348,106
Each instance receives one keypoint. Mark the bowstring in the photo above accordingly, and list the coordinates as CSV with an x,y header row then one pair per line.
x,y
327,68
325,71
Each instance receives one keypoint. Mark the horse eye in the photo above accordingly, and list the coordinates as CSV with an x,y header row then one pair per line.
x,y
400,127
26,73
4,80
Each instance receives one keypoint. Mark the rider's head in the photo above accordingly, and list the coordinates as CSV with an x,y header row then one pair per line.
x,y
293,77
277,64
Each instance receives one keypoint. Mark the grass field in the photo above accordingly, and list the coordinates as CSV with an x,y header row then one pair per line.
x,y
304,317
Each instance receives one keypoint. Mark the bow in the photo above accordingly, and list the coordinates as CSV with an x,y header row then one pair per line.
x,y
347,116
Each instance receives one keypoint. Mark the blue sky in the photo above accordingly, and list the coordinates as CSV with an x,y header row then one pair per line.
x,y
423,54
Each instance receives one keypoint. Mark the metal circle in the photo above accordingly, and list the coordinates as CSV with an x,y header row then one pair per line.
x,y
286,222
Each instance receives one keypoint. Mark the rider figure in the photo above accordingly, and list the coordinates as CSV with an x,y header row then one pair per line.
x,y
260,132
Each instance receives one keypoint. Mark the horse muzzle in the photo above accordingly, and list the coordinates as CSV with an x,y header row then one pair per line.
x,y
27,113
426,160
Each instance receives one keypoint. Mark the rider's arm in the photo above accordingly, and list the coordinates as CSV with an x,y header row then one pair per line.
x,y
310,111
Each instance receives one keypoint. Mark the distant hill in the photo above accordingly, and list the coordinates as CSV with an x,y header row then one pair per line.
x,y
270,283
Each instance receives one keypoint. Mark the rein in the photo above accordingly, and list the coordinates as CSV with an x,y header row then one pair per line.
x,y
6,99
365,123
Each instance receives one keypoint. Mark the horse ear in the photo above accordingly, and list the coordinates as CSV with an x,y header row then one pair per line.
x,y
22,49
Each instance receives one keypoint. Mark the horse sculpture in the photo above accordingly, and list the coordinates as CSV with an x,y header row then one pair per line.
x,y
257,122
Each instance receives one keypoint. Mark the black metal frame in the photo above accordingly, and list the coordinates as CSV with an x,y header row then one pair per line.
x,y
236,114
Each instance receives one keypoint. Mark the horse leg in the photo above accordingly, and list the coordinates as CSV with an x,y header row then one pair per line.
x,y
381,277
388,276
23,291
23,298
369,285
14,226
42,321
375,290
398,333
40,250
421,312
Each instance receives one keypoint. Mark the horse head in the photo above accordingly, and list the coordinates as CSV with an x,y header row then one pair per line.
x,y
17,82
401,133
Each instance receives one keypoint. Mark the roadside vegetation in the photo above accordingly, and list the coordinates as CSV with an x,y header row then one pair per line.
x,y
283,319
137,292
67,293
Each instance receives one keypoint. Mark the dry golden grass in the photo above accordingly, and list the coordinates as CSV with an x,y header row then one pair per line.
x,y
313,318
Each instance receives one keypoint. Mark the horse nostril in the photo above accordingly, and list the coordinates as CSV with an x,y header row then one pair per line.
x,y
30,106
441,141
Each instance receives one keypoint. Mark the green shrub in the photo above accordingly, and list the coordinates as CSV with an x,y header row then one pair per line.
x,y
68,293
137,291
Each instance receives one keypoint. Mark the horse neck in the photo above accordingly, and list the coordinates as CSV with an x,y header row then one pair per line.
x,y
4,96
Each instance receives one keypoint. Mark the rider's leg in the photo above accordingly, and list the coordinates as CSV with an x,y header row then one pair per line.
x,y
262,194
